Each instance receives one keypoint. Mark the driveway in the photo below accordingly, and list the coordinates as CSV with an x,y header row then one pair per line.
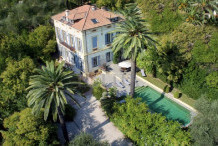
x,y
91,119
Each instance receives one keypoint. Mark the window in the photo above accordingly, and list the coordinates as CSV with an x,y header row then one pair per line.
x,y
115,19
79,44
64,36
95,61
94,42
108,38
58,33
71,41
108,56
94,21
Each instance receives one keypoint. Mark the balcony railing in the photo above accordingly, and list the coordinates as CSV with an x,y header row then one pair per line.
x,y
67,46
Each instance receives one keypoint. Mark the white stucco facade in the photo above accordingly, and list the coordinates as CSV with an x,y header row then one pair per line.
x,y
82,45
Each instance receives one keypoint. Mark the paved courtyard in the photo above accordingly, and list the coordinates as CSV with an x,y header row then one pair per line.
x,y
91,119
115,76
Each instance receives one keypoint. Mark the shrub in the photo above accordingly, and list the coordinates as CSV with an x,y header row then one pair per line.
x,y
113,92
107,105
86,140
70,112
177,94
98,90
166,89
145,128
116,58
83,88
23,128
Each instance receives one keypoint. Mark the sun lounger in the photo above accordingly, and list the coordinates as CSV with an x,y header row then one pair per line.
x,y
122,101
126,81
120,84
143,73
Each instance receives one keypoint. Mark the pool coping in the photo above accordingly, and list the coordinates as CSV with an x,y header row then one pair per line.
x,y
193,111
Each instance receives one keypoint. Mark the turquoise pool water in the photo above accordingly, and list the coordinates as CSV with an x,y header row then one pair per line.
x,y
161,104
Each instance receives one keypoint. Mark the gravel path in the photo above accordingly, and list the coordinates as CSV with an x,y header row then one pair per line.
x,y
91,119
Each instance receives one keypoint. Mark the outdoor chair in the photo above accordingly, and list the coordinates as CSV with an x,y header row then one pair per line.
x,y
143,73
126,81
120,84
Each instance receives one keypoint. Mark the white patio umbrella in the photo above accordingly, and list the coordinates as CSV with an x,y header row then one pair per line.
x,y
125,64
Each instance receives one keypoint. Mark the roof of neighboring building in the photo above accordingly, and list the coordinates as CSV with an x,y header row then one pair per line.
x,y
81,17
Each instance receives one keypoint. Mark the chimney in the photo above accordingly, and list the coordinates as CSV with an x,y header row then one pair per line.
x,y
67,14
104,8
93,8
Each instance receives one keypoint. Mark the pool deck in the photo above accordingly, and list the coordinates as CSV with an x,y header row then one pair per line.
x,y
109,79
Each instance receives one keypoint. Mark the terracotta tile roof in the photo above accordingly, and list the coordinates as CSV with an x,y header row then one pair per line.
x,y
82,17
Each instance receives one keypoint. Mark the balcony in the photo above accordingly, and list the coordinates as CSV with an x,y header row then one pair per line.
x,y
67,46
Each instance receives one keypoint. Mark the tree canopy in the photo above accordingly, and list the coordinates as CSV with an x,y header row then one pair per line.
x,y
145,128
23,128
204,127
15,80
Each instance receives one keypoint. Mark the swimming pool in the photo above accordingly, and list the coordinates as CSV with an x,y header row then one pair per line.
x,y
159,103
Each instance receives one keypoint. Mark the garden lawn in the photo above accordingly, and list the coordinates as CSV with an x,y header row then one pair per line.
x,y
160,84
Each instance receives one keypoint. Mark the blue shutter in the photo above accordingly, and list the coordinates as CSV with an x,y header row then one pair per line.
x,y
105,39
92,62
94,42
98,61
112,37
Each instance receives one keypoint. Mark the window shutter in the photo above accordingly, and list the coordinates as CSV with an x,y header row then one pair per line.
x,y
92,62
98,61
75,40
112,37
106,39
68,39
61,35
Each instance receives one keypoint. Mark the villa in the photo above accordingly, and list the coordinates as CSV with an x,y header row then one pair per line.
x,y
84,36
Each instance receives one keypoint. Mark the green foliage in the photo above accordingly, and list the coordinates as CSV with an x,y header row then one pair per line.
x,y
116,57
42,42
147,60
97,90
133,37
177,94
170,62
196,11
48,89
145,128
107,105
17,17
113,92
86,140
205,50
166,21
204,127
118,4
14,81
70,113
212,80
23,128
186,35
166,89
194,84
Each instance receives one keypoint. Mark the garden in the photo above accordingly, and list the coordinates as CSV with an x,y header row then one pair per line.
x,y
185,59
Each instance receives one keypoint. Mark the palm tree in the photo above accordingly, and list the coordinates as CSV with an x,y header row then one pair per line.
x,y
203,7
132,38
48,90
